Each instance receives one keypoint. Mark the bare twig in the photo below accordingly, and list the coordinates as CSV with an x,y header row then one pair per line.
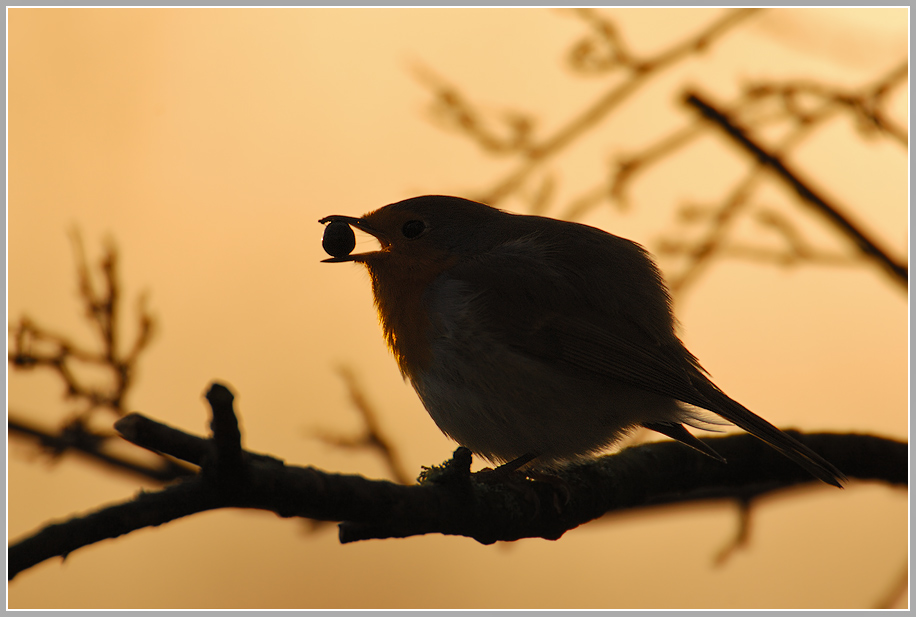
x,y
75,437
102,308
35,346
705,250
804,189
805,119
372,437
812,102
802,105
626,168
742,536
898,591
639,71
452,110
807,105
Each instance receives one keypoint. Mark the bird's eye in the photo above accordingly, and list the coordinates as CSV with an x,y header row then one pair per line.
x,y
412,229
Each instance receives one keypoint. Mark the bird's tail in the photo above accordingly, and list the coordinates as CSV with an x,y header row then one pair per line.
x,y
739,415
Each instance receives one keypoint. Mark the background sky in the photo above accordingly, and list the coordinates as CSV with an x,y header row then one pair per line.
x,y
206,143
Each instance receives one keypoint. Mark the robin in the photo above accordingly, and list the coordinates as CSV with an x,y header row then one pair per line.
x,y
530,339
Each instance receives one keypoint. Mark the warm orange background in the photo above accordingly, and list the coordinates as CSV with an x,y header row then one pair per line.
x,y
207,143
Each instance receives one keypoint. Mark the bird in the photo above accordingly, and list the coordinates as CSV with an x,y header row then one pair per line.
x,y
537,341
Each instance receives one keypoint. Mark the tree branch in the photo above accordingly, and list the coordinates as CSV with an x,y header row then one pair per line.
x,y
449,499
638,72
371,438
833,213
35,346
75,437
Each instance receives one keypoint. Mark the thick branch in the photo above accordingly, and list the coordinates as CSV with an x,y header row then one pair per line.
x,y
453,501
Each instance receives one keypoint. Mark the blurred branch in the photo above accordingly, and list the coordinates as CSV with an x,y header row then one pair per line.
x,y
102,310
602,50
450,500
372,437
452,110
804,119
627,168
742,535
640,71
898,592
75,437
35,346
719,222
798,106
804,189
808,101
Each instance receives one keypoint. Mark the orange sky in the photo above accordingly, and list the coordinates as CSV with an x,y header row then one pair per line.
x,y
206,143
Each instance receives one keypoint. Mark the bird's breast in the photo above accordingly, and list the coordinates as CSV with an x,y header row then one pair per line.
x,y
402,297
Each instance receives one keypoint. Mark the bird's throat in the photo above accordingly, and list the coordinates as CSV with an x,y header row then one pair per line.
x,y
401,303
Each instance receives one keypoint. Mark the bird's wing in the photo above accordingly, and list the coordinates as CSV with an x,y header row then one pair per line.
x,y
659,369
585,325
582,323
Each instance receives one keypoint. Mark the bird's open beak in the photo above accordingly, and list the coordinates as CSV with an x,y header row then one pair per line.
x,y
360,225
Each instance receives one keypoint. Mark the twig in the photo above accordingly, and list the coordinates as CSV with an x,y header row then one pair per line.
x,y
626,169
452,110
864,102
640,72
803,188
35,346
805,121
76,438
102,310
227,437
372,437
742,535
706,249
897,592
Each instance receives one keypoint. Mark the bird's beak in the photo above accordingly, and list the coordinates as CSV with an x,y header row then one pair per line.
x,y
361,225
